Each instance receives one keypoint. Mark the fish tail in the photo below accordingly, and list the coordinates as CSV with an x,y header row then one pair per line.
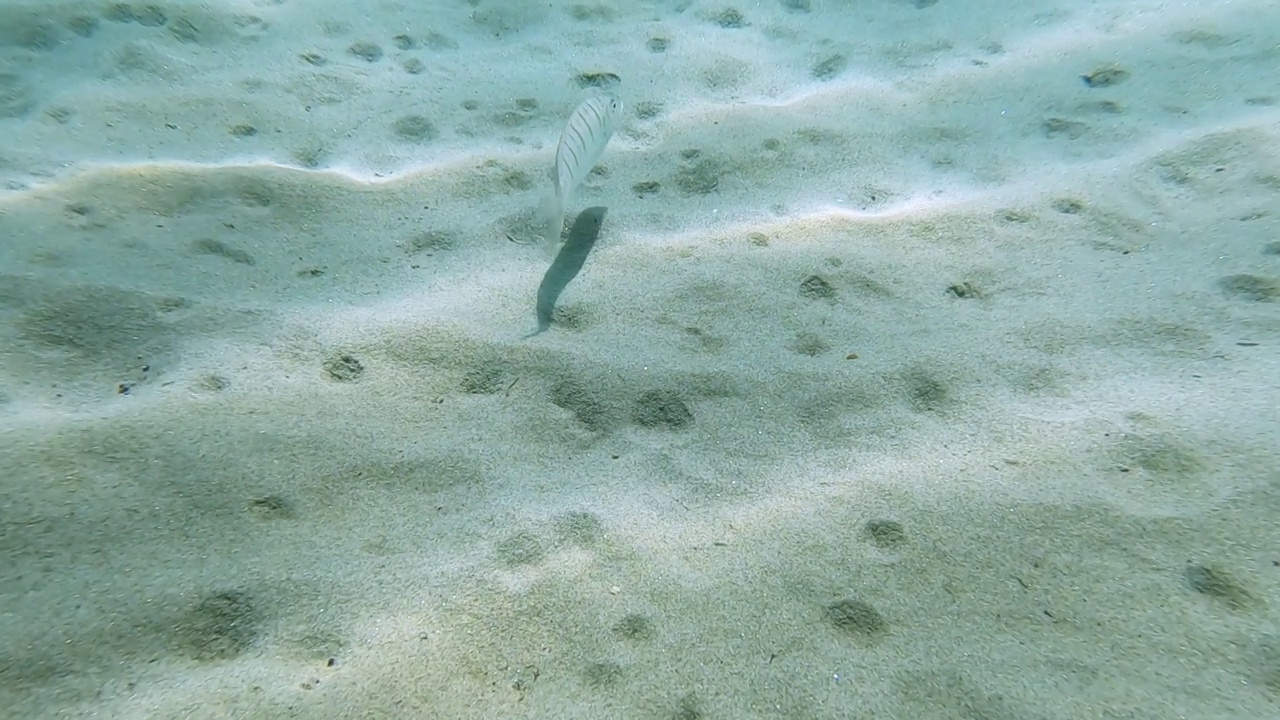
x,y
553,219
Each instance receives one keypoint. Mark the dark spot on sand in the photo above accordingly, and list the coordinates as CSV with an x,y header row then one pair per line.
x,y
925,392
522,548
829,67
648,109
658,44
243,131
431,241
1219,585
1068,206
146,15
729,18
103,325
15,96
1105,77
634,626
603,674
486,378
1254,288
579,528
700,178
213,383
413,66
218,248
577,398
646,188
966,290
221,626
598,80
83,25
1059,127
661,409
885,533
272,507
815,287
343,368
415,128
857,618
810,344
365,50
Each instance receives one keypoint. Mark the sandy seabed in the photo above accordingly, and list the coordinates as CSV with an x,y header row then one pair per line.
x,y
927,364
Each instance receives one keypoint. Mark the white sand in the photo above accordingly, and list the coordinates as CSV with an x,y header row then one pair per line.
x,y
924,381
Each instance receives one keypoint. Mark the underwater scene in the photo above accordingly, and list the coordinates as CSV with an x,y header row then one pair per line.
x,y
640,359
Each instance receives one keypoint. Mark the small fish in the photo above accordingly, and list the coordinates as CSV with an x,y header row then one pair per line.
x,y
581,144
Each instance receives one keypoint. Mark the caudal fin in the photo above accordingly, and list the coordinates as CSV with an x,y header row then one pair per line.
x,y
553,222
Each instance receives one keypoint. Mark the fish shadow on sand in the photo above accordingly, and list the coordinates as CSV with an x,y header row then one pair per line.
x,y
568,262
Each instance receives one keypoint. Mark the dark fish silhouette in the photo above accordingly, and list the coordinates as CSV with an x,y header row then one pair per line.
x,y
582,237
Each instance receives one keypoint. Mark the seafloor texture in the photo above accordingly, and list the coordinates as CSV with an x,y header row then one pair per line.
x,y
927,364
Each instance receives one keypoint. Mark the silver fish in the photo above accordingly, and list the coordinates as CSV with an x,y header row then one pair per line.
x,y
581,144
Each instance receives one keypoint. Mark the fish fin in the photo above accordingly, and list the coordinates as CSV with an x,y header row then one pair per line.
x,y
553,222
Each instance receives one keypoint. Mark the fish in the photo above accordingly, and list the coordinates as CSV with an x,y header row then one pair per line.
x,y
582,142
582,237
